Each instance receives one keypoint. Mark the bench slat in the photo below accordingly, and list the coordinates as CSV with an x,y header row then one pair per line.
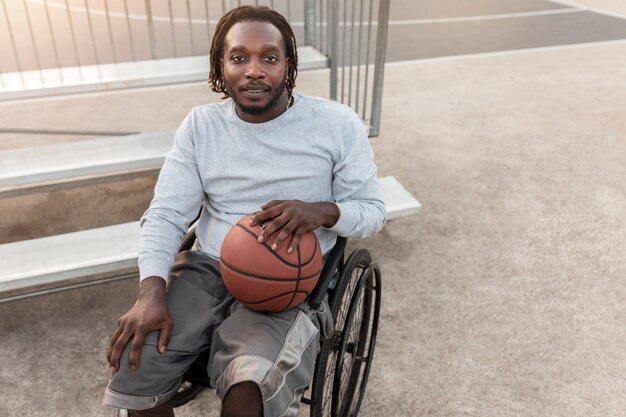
x,y
398,201
70,161
71,255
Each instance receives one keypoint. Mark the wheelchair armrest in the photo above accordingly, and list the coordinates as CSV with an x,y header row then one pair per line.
x,y
330,265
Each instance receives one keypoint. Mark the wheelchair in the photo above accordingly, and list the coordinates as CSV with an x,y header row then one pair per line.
x,y
342,366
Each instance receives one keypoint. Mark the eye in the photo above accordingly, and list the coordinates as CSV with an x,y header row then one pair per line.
x,y
271,58
237,58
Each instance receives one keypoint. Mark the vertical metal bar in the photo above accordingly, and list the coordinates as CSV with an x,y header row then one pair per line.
x,y
272,5
169,5
358,61
343,51
93,40
224,9
190,27
151,35
334,53
106,9
15,54
288,11
351,54
130,32
69,19
329,25
208,23
2,85
309,22
318,25
54,42
32,37
367,57
379,66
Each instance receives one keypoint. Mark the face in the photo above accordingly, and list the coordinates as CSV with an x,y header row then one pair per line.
x,y
254,67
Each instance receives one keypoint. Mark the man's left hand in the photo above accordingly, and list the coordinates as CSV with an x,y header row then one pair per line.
x,y
293,218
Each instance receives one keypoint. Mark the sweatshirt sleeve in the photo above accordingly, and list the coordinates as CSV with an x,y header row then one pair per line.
x,y
355,184
177,199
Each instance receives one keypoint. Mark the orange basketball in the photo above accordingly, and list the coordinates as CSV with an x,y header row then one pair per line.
x,y
266,280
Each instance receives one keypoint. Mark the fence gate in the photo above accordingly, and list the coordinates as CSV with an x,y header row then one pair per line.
x,y
51,47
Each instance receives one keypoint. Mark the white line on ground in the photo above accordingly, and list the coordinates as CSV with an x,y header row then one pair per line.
x,y
584,7
391,22
485,17
503,53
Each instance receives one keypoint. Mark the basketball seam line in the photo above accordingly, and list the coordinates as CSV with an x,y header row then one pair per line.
x,y
251,233
295,291
267,278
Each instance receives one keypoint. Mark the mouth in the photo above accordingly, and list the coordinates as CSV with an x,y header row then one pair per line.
x,y
254,90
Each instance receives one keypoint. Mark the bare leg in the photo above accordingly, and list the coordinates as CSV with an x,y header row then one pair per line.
x,y
163,410
243,400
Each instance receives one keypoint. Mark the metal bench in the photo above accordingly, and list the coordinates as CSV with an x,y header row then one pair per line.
x,y
52,167
73,260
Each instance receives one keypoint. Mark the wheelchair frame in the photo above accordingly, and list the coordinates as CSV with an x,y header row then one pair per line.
x,y
343,363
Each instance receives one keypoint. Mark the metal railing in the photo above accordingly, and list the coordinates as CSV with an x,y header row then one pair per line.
x,y
52,44
356,42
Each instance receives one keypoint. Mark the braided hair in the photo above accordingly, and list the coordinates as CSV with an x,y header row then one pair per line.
x,y
251,14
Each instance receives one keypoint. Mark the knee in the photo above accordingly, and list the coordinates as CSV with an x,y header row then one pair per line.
x,y
243,400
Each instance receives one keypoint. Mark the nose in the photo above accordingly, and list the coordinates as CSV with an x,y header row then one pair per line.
x,y
255,70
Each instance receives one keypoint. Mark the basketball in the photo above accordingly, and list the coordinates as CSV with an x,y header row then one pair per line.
x,y
266,280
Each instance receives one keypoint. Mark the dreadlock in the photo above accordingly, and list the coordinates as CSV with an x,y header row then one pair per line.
x,y
251,14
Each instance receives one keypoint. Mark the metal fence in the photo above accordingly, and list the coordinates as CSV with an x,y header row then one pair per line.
x,y
49,45
356,43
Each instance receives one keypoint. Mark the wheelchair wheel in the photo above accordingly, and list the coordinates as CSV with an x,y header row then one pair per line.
x,y
345,359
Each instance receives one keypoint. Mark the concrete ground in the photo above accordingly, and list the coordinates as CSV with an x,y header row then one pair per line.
x,y
504,297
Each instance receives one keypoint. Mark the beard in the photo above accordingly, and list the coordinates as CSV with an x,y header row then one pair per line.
x,y
255,111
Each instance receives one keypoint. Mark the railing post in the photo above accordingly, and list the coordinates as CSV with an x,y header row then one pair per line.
x,y
151,30
334,45
379,66
309,22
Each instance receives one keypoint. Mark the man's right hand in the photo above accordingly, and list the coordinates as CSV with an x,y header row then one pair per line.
x,y
148,314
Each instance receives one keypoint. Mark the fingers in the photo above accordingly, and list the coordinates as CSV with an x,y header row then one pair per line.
x,y
279,223
117,346
291,219
164,337
272,204
291,233
286,230
295,240
112,344
269,211
135,348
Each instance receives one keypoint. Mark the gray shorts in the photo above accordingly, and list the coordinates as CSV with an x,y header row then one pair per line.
x,y
276,351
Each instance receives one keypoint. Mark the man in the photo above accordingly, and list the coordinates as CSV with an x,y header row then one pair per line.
x,y
301,162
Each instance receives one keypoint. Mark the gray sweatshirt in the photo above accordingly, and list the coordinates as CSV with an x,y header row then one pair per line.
x,y
315,151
